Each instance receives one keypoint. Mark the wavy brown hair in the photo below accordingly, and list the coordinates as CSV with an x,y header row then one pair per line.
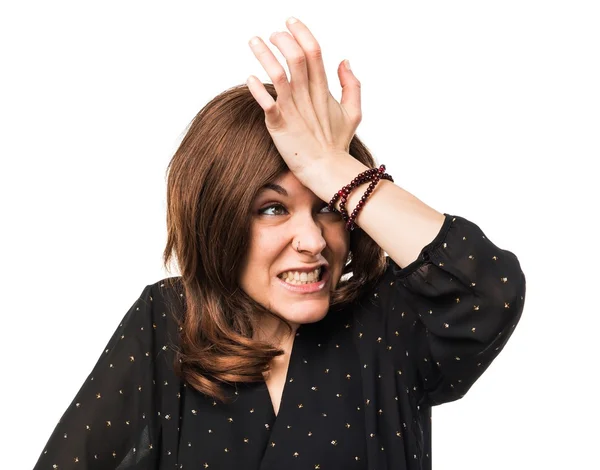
x,y
224,159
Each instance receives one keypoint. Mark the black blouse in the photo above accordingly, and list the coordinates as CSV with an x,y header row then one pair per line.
x,y
359,387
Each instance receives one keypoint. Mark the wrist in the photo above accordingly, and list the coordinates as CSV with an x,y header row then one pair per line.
x,y
332,172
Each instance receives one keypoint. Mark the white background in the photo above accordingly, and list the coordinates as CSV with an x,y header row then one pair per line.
x,y
487,110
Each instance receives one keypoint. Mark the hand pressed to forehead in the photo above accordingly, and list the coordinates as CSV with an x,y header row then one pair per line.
x,y
305,122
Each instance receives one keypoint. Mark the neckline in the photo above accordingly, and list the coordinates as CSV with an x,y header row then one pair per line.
x,y
288,376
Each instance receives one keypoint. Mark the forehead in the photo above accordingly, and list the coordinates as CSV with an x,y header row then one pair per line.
x,y
288,185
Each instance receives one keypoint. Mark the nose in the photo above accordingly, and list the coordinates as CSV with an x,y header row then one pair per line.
x,y
309,238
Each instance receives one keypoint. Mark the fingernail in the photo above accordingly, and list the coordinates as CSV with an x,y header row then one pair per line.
x,y
254,40
347,64
292,20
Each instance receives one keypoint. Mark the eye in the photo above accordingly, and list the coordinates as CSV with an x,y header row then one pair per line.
x,y
280,207
325,210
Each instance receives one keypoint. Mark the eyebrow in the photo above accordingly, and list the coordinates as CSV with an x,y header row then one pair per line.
x,y
275,187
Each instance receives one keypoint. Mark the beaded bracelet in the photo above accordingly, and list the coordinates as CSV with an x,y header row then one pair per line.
x,y
373,175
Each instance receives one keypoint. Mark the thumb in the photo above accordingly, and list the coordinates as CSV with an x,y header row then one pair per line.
x,y
350,91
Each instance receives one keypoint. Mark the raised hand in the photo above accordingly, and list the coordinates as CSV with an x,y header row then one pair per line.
x,y
306,123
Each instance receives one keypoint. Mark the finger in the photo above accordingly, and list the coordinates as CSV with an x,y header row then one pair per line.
x,y
351,92
296,61
312,51
273,116
317,78
294,56
274,69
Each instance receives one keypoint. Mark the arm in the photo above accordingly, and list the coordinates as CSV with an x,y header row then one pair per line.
x,y
397,221
454,307
112,423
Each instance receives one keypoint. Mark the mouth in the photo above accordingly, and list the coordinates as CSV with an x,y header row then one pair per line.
x,y
297,278
308,282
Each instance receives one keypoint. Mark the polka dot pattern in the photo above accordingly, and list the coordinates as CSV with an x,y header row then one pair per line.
x,y
359,388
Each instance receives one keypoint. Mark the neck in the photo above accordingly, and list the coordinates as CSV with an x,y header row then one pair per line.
x,y
274,331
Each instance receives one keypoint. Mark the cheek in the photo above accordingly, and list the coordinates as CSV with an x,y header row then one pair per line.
x,y
338,240
263,253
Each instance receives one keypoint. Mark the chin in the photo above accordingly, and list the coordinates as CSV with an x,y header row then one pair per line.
x,y
301,314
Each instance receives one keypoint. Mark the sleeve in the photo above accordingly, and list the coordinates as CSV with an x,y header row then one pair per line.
x,y
465,296
111,423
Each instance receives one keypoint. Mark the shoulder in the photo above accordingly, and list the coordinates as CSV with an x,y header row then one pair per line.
x,y
168,290
157,311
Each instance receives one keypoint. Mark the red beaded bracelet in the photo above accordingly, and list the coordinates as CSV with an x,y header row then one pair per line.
x,y
373,175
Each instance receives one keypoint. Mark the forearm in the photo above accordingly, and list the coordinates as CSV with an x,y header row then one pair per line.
x,y
396,220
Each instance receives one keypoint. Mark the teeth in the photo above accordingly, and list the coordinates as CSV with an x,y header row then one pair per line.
x,y
295,277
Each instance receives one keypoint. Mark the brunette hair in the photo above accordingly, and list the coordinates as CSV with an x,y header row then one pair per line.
x,y
224,159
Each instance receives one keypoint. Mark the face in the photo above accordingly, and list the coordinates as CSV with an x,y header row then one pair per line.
x,y
274,273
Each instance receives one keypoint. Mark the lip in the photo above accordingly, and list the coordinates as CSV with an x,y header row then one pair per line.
x,y
311,288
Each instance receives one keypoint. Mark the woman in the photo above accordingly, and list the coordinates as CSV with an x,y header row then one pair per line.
x,y
291,340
